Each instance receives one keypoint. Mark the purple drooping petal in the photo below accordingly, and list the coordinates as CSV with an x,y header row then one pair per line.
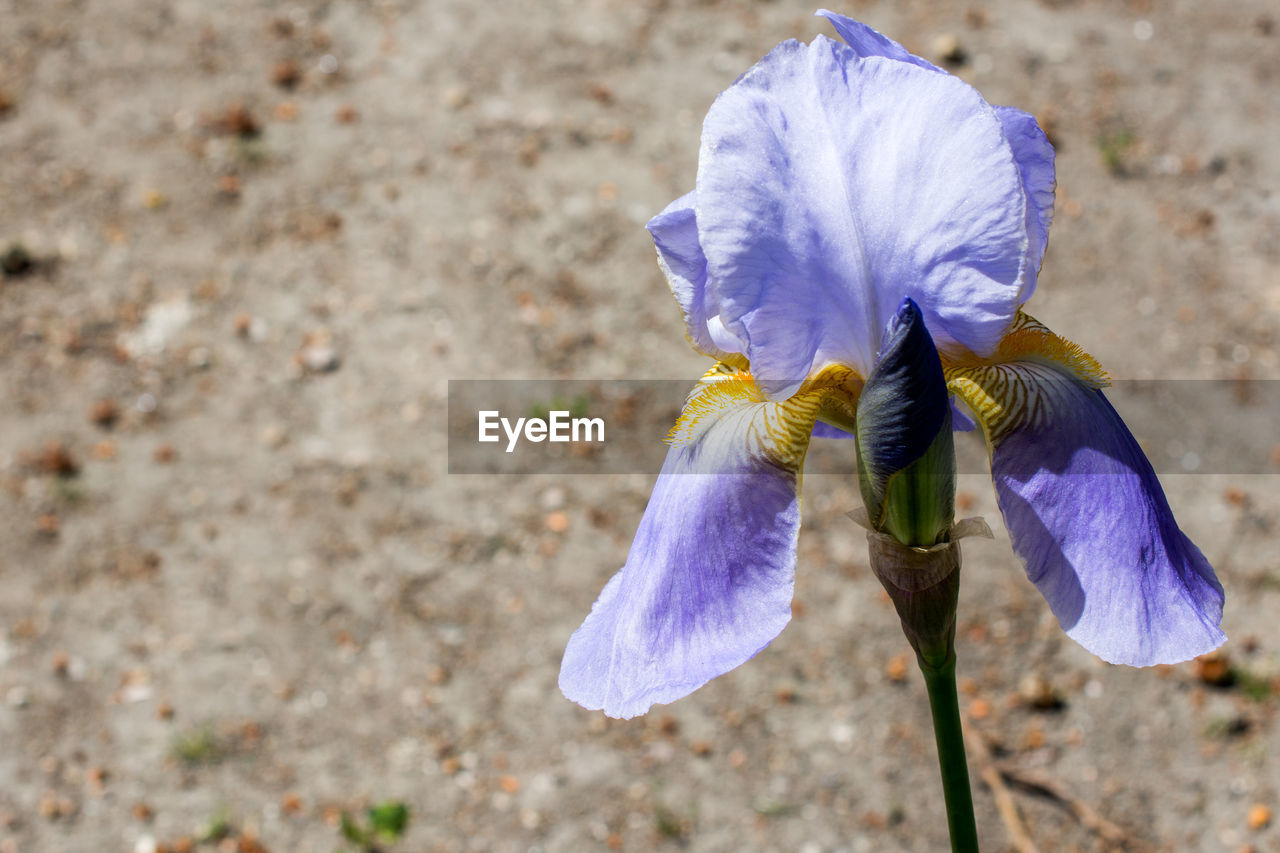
x,y
960,420
830,187
868,42
1034,156
1090,521
675,234
825,430
709,579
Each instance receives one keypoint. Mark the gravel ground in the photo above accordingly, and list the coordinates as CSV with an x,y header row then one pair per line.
x,y
242,591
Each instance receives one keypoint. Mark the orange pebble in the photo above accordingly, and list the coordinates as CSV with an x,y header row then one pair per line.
x,y
896,668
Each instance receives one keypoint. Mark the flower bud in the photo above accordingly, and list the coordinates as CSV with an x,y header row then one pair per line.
x,y
906,458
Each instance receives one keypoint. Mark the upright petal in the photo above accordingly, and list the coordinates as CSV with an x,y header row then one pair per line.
x,y
675,234
1031,148
1084,508
1034,156
709,579
868,42
829,187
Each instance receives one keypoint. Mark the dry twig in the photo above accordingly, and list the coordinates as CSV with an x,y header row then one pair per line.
x,y
1041,785
1005,805
999,777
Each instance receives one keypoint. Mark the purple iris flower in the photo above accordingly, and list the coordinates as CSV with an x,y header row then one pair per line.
x,y
834,181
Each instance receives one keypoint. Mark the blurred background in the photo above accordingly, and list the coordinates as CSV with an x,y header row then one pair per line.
x,y
245,245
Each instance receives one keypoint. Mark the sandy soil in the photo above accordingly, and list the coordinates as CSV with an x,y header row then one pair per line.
x,y
240,584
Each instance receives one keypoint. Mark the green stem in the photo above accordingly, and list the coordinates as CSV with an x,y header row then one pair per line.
x,y
940,681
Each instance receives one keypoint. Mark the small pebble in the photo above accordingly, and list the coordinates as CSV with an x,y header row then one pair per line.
x,y
274,437
1259,816
236,120
56,459
601,93
456,97
16,261
229,186
319,358
947,48
1213,669
104,413
200,358
286,74
1038,693
17,697
896,669
291,803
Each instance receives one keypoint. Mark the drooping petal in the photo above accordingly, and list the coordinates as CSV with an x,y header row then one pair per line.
x,y
675,234
1034,156
825,430
1084,508
709,578
829,187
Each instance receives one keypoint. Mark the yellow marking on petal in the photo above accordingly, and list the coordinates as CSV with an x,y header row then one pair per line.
x,y
1011,388
1030,340
777,430
721,388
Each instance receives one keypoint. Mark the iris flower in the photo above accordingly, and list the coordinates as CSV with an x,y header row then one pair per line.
x,y
834,181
